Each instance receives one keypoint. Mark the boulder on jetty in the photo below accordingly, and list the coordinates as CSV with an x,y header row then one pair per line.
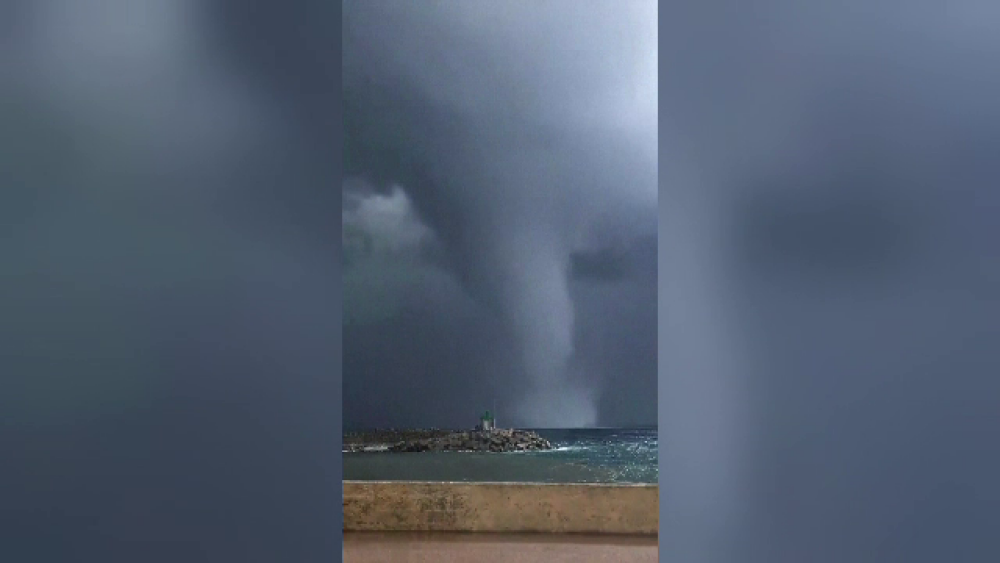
x,y
499,440
389,436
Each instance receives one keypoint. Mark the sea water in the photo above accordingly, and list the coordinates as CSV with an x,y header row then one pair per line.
x,y
591,455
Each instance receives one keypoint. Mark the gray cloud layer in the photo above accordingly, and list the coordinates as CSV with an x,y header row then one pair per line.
x,y
830,274
523,134
170,311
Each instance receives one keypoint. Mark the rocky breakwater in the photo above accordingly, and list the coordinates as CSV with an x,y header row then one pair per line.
x,y
476,441
500,440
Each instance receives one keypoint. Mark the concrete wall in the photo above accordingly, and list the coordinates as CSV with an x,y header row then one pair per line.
x,y
501,507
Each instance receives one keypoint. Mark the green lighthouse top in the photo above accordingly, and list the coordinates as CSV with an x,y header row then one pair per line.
x,y
487,416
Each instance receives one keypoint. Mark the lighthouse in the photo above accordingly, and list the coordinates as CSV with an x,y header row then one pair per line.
x,y
486,422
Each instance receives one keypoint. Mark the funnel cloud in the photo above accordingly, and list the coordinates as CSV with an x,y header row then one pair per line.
x,y
524,137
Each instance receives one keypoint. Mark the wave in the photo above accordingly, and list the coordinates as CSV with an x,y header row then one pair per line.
x,y
566,449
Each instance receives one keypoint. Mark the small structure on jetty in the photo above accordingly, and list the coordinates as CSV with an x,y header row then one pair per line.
x,y
486,422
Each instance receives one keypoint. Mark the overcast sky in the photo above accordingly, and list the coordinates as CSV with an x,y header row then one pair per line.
x,y
169,279
829,275
500,201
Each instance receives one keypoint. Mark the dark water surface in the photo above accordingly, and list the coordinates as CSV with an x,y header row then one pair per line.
x,y
593,455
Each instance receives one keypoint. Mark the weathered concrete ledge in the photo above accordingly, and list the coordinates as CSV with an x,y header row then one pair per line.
x,y
501,507
452,547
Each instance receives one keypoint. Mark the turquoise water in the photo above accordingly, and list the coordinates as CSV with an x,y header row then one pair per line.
x,y
593,455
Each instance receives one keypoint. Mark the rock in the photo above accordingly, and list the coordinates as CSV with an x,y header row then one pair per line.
x,y
495,441
501,440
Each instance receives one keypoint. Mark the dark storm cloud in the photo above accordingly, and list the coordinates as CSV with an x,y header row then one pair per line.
x,y
611,263
829,282
170,321
604,264
522,133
